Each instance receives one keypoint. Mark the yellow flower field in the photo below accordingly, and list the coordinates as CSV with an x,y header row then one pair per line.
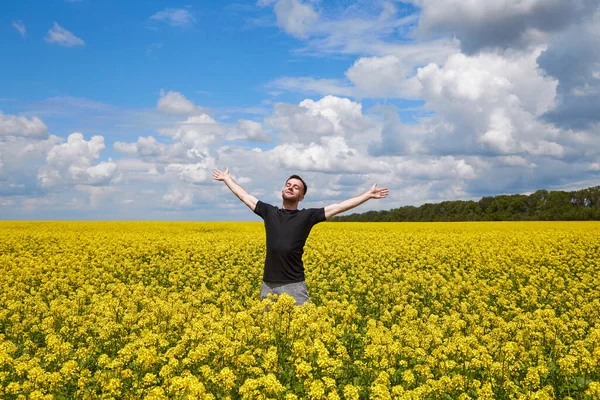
x,y
403,311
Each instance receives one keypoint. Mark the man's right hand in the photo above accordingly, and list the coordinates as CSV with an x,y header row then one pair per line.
x,y
239,191
220,176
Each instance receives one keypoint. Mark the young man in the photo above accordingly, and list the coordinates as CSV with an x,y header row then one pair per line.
x,y
287,229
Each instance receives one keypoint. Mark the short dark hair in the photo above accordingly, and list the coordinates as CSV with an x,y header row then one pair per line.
x,y
300,179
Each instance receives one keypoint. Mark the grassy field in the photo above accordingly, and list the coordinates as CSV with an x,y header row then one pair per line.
x,y
408,311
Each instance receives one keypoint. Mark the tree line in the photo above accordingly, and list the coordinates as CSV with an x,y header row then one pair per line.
x,y
580,205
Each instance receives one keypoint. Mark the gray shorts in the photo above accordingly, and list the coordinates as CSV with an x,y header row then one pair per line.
x,y
296,289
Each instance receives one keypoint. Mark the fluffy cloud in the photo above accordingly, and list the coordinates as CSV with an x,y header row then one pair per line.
x,y
22,153
251,130
447,167
332,155
481,24
384,76
293,16
489,78
24,144
198,173
489,103
199,119
59,35
18,125
175,103
189,141
150,149
126,148
72,163
311,120
343,114
178,198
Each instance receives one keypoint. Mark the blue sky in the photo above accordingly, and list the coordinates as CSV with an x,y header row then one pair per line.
x,y
121,110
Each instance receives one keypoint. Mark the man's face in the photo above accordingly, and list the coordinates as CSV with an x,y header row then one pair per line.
x,y
293,190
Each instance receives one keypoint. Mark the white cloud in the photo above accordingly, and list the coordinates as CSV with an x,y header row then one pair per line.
x,y
516,161
98,195
176,17
125,148
331,155
447,167
293,16
311,120
297,124
198,173
178,198
491,78
490,102
386,76
22,157
499,136
199,119
71,163
59,35
339,111
251,130
391,75
76,151
195,135
96,174
18,125
150,149
134,165
175,103
189,141
24,144
20,26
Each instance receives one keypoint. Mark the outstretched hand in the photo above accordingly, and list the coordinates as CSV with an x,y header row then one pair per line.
x,y
220,176
378,193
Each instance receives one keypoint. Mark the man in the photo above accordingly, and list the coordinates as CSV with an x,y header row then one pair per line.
x,y
287,229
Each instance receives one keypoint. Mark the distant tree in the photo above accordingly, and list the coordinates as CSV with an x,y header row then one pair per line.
x,y
582,204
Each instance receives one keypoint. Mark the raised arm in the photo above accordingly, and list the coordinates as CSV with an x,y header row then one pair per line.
x,y
239,191
373,193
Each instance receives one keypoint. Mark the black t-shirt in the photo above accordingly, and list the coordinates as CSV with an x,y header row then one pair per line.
x,y
287,231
